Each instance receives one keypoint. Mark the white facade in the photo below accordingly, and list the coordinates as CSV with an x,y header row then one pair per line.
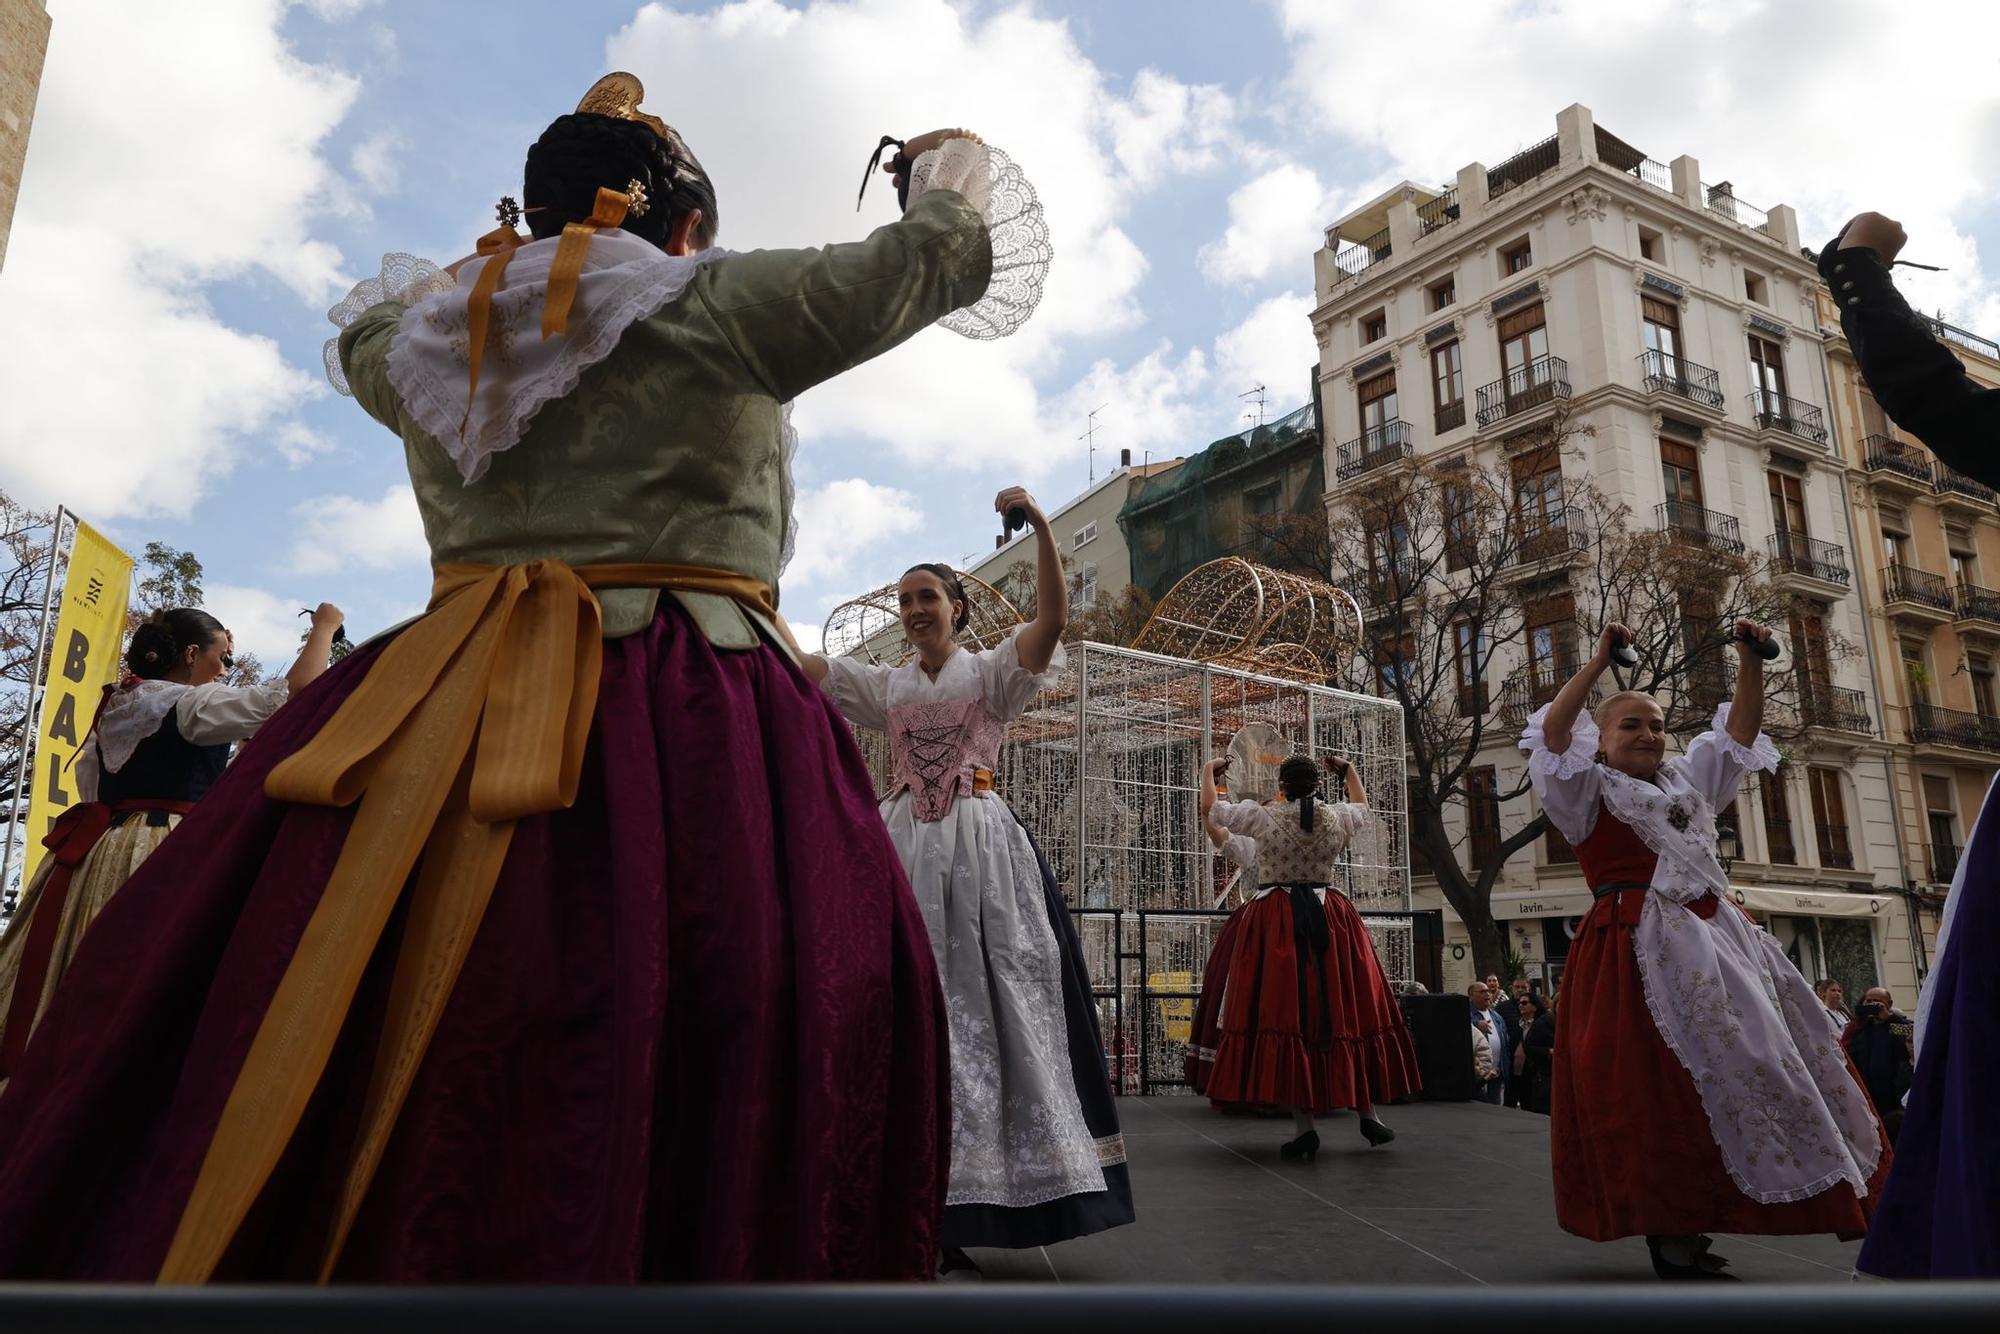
x,y
1604,231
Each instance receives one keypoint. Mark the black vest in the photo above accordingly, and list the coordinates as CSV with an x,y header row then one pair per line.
x,y
165,767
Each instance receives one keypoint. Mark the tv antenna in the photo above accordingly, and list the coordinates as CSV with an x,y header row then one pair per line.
x,y
1258,394
1089,436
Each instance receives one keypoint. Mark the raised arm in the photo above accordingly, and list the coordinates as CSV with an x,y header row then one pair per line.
x,y
1570,700
1038,639
1210,774
318,649
1348,775
1746,707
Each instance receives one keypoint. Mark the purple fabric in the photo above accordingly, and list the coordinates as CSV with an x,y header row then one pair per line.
x,y
699,1034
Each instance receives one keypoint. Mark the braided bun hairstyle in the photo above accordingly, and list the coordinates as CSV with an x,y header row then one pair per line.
x,y
1299,777
954,589
582,152
157,645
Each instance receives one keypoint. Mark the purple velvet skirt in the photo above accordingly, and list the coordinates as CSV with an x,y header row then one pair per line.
x,y
699,1034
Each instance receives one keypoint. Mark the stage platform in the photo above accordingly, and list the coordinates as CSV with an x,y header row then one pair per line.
x,y
1462,1197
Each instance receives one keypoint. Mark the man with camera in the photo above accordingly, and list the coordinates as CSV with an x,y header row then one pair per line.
x,y
1878,1042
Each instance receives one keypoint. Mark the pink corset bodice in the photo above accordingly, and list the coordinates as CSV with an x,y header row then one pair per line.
x,y
934,748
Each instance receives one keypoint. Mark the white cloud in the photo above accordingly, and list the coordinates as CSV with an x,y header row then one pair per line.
x,y
1273,347
132,394
264,623
299,444
842,522
338,533
1168,128
1782,99
1276,221
339,11
374,160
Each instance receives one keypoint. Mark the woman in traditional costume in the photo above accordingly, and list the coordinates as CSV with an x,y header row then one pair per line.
x,y
1697,1086
161,738
1308,1023
1036,1154
555,936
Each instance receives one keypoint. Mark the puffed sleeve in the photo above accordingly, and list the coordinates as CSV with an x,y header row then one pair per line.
x,y
1349,817
1241,849
215,713
1252,818
1568,783
859,690
1715,761
1008,686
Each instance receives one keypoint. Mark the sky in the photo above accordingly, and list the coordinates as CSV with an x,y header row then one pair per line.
x,y
205,179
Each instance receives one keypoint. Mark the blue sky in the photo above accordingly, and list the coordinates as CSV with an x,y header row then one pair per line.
x,y
205,180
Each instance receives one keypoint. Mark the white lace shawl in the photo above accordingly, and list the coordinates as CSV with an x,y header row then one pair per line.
x,y
993,184
1788,1118
132,715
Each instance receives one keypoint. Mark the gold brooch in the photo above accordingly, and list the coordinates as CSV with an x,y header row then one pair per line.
x,y
635,192
509,211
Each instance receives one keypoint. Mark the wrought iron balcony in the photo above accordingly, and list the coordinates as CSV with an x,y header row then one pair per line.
x,y
1942,861
1378,448
1438,213
1977,604
1795,553
1909,584
1773,411
1451,416
1546,537
1387,583
1542,380
1885,454
1664,373
1363,255
1694,526
1834,849
1824,704
1523,167
1931,725
1950,481
1722,200
1965,338
1528,688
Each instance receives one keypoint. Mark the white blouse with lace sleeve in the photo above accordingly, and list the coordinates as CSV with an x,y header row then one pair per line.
x,y
1251,818
1715,762
215,713
1568,783
1019,234
1008,687
859,691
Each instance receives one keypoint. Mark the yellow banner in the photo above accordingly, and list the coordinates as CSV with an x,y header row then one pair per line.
x,y
83,659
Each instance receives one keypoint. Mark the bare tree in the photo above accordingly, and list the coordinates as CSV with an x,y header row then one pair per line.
x,y
1115,619
1462,568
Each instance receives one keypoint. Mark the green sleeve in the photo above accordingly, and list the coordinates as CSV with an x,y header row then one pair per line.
x,y
364,359
798,317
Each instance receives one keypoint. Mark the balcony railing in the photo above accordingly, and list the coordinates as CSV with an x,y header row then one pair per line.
x,y
1523,167
1528,688
1388,582
1722,200
1795,553
1909,584
1547,536
1824,704
1931,725
1834,849
1542,380
1773,411
1667,374
1655,173
1377,448
1977,604
1363,255
1951,481
1695,526
1942,860
1884,454
1778,833
1451,416
1965,338
1438,213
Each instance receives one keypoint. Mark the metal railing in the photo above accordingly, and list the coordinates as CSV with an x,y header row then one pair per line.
x,y
1795,553
1773,411
1545,537
1909,584
1388,582
1942,861
1451,416
1931,725
1528,688
1965,338
1824,704
1372,449
1523,167
1541,381
1976,604
1657,174
1778,833
1664,373
1884,453
1363,255
1691,524
1950,481
1834,849
1438,213
1722,200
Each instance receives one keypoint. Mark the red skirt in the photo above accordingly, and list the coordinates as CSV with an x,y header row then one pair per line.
x,y
1268,1054
1206,1031
1629,1137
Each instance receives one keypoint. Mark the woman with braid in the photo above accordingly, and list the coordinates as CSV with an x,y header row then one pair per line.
x,y
553,937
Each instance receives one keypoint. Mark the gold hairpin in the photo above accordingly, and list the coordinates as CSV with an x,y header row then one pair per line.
x,y
635,192
509,211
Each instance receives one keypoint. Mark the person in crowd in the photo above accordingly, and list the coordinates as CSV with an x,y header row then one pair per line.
x,y
1880,1042
554,937
161,738
1834,999
1499,1040
1662,1114
1508,1007
1533,1057
1939,1215
1485,1074
1036,1154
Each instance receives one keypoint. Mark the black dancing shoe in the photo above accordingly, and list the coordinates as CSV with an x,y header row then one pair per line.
x,y
1696,1272
1305,1146
1375,1132
955,1266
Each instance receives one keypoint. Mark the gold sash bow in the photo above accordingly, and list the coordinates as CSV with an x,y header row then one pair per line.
x,y
473,717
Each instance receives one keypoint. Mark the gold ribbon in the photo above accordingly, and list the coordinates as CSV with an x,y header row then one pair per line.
x,y
500,245
567,267
474,717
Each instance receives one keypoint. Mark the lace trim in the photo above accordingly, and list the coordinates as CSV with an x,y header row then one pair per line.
x,y
403,278
1578,759
132,715
788,449
1015,227
1761,755
1677,823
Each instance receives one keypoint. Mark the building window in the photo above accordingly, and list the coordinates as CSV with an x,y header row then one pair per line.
x,y
1524,350
1680,474
1086,584
1788,509
1516,257
1374,328
1444,293
1661,330
1447,387
1942,820
1482,815
1420,862
1460,536
1915,675
1767,376
1756,289
1895,545
1087,533
1777,817
1829,818
1984,697
1468,662
1963,555
1652,246
1377,399
1259,504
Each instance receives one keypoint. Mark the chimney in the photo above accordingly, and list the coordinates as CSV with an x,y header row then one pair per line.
x,y
999,540
1124,458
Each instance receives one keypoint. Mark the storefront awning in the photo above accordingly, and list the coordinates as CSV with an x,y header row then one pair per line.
x,y
1542,903
1810,902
